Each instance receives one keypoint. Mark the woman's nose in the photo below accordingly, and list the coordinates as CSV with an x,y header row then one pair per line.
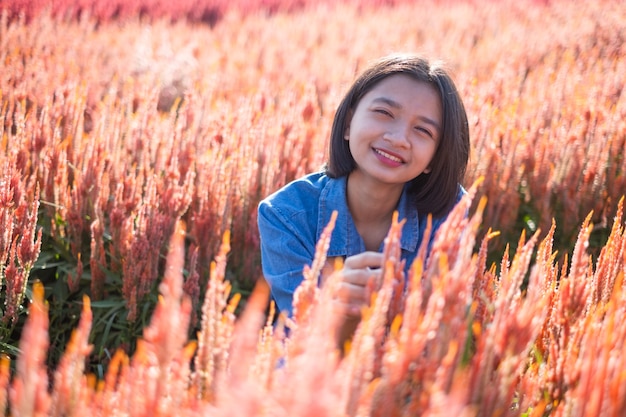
x,y
397,135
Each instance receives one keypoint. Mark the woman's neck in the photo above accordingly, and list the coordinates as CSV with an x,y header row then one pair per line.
x,y
372,205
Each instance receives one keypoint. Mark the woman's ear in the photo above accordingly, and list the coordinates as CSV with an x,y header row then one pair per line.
x,y
428,170
346,134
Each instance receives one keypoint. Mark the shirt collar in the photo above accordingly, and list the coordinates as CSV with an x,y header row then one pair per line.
x,y
345,239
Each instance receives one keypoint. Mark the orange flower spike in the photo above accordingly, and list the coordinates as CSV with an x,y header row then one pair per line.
x,y
68,377
217,326
113,370
92,383
307,294
233,303
321,249
84,325
5,377
165,337
29,392
608,262
416,274
225,247
393,269
168,315
30,241
141,357
97,261
245,338
394,329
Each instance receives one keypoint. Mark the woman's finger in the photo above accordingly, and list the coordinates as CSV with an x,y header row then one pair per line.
x,y
348,309
363,260
360,277
351,293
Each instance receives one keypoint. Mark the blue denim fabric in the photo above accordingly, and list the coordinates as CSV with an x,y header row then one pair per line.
x,y
292,219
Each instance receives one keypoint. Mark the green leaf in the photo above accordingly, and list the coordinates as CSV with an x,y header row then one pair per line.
x,y
117,303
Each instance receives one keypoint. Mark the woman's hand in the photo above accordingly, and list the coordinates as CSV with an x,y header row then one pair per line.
x,y
354,290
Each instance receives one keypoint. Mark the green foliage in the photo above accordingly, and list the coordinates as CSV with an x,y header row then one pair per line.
x,y
111,328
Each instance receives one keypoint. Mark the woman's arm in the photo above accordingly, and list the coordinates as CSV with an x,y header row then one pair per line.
x,y
285,250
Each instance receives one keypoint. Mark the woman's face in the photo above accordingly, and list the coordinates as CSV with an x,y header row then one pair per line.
x,y
394,130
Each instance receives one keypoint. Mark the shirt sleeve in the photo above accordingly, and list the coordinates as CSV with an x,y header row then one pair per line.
x,y
285,250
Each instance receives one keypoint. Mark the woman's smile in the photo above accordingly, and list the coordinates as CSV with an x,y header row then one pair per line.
x,y
387,158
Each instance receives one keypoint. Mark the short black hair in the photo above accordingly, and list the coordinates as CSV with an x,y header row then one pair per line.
x,y
435,192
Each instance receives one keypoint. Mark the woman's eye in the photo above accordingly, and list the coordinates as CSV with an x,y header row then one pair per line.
x,y
424,131
383,111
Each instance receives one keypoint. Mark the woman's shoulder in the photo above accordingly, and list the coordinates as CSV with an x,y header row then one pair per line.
x,y
299,193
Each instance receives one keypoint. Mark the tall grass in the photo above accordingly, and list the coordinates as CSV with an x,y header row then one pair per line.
x,y
461,339
114,132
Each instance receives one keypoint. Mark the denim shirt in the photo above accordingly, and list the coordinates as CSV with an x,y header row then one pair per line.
x,y
292,219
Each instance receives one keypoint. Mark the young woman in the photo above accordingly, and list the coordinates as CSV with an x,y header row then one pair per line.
x,y
399,141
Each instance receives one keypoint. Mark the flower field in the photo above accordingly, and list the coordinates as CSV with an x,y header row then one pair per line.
x,y
137,138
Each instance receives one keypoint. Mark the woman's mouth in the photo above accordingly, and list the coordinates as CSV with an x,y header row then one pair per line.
x,y
387,156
